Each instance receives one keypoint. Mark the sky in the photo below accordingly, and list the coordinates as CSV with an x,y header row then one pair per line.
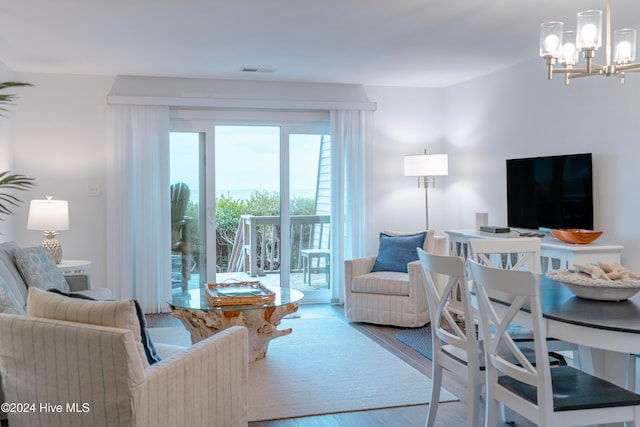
x,y
247,158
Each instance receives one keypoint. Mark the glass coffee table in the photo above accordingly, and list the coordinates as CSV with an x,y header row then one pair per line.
x,y
202,319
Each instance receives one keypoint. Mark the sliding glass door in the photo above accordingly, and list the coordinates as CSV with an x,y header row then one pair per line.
x,y
259,205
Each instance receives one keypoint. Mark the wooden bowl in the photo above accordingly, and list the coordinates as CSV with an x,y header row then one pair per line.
x,y
576,235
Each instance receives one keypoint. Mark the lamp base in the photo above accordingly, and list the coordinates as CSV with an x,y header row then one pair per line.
x,y
53,246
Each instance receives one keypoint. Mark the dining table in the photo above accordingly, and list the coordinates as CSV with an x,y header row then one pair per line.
x,y
607,332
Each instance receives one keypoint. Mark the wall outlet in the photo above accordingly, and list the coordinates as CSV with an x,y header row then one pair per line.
x,y
94,190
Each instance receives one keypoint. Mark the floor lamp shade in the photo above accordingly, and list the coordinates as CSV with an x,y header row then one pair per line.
x,y
425,166
49,216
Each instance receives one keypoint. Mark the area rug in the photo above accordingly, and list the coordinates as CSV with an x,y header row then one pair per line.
x,y
326,366
418,339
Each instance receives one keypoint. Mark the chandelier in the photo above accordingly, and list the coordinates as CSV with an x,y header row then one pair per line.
x,y
563,47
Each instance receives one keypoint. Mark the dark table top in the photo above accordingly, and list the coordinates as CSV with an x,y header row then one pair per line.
x,y
558,303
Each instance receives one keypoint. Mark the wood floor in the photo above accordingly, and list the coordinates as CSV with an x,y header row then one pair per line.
x,y
450,414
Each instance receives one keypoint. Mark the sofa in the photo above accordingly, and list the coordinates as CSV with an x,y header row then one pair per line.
x,y
15,282
391,293
92,351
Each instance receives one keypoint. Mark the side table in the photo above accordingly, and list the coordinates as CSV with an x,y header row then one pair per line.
x,y
73,266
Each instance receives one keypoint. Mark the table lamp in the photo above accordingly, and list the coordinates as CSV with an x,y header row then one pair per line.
x,y
50,216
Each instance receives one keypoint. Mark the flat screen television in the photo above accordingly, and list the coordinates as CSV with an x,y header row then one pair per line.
x,y
550,192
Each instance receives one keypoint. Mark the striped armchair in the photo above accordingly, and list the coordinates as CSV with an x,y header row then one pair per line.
x,y
389,297
92,375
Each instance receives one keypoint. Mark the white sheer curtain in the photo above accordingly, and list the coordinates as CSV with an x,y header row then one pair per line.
x,y
350,160
138,206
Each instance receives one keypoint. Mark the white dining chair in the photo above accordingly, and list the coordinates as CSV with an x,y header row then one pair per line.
x,y
548,396
519,253
455,343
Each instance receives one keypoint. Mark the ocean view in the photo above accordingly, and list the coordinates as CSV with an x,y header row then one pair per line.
x,y
240,194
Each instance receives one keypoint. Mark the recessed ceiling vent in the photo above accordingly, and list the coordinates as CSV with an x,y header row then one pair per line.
x,y
257,70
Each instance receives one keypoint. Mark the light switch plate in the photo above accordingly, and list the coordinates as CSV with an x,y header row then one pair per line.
x,y
94,190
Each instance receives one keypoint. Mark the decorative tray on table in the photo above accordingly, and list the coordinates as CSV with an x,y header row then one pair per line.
x,y
602,282
239,293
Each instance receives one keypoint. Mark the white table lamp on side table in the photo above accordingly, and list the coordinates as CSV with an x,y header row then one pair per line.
x,y
50,216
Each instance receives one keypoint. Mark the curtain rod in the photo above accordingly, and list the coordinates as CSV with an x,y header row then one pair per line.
x,y
239,103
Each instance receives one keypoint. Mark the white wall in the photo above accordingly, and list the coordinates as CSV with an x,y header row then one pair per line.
x,y
407,121
59,140
518,113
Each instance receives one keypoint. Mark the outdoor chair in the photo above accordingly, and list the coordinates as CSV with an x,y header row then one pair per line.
x,y
180,233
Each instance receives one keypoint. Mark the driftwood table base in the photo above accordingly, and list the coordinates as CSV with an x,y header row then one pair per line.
x,y
261,323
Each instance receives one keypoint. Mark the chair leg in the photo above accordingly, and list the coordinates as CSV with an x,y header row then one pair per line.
x,y
631,373
507,415
436,383
493,407
473,404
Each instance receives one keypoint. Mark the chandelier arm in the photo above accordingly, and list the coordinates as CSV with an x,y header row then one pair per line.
x,y
628,68
596,69
578,75
608,29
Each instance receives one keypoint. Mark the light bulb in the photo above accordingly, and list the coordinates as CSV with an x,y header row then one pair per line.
x,y
623,51
568,53
588,34
551,43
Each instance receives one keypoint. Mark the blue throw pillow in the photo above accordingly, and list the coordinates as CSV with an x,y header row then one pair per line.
x,y
149,348
395,252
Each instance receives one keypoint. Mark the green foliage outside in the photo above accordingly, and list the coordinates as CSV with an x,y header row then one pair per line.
x,y
229,210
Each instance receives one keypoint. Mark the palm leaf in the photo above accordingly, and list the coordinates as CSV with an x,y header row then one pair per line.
x,y
7,98
12,182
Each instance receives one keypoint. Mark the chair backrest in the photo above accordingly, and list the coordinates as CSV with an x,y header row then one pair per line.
x,y
445,305
45,360
501,295
180,195
518,253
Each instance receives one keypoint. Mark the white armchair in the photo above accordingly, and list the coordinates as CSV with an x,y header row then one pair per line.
x,y
388,297
95,374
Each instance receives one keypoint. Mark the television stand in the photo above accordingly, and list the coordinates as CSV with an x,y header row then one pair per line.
x,y
554,253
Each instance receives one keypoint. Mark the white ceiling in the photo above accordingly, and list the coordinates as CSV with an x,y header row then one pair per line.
x,y
423,43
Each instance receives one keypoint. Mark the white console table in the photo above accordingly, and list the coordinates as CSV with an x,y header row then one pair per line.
x,y
554,253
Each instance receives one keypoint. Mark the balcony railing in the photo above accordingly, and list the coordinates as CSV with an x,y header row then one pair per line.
x,y
257,248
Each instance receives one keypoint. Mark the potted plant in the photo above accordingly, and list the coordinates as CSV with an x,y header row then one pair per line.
x,y
12,182
9,181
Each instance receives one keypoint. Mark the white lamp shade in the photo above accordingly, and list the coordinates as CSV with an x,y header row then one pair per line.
x,y
48,215
426,165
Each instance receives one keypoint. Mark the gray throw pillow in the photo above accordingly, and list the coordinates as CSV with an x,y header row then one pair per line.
x,y
8,302
38,269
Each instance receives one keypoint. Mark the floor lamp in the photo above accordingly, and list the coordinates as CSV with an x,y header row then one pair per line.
x,y
426,167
